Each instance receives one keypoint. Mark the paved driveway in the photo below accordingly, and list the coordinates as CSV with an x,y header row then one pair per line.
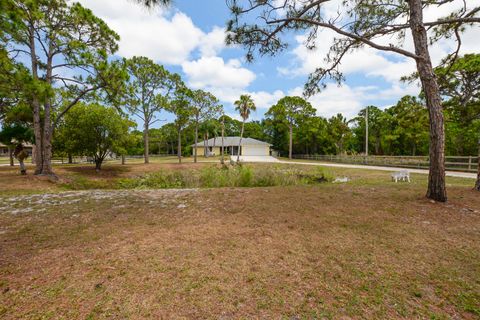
x,y
255,159
357,166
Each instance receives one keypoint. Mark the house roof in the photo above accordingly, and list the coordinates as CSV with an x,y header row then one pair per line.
x,y
231,141
26,145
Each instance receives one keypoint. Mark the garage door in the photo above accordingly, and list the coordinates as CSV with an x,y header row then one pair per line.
x,y
254,151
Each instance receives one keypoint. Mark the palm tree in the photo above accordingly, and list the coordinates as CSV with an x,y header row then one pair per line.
x,y
244,106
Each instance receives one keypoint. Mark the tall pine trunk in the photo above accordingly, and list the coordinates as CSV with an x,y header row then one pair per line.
x,y
146,149
10,155
37,122
47,120
47,142
214,139
240,141
195,151
436,178
179,151
223,134
204,145
477,184
207,148
290,141
37,130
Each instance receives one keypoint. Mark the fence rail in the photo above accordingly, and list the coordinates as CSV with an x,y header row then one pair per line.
x,y
454,163
76,159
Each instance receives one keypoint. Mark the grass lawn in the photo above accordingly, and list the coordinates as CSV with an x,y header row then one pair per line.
x,y
368,248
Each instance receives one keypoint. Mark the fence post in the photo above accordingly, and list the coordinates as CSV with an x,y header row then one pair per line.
x,y
469,163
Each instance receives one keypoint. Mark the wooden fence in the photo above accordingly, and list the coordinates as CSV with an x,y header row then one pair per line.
x,y
454,163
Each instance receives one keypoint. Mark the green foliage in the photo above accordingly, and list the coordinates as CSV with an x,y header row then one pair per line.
x,y
291,110
288,114
232,126
148,89
340,133
205,106
48,37
15,86
398,130
245,106
95,131
460,83
14,133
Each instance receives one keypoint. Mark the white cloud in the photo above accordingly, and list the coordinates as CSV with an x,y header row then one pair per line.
x,y
349,100
371,62
264,100
213,42
334,99
164,35
214,72
367,61
167,41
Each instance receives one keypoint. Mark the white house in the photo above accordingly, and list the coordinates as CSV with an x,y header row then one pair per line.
x,y
249,147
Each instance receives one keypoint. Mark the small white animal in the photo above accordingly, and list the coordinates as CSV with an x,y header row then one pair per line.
x,y
403,175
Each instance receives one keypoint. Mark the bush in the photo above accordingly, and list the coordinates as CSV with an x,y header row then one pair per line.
x,y
244,177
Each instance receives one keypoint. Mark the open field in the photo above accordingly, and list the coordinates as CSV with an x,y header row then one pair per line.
x,y
368,248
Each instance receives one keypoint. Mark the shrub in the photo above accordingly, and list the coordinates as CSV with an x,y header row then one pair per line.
x,y
244,177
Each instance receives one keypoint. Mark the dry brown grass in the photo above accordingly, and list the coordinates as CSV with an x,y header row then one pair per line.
x,y
366,249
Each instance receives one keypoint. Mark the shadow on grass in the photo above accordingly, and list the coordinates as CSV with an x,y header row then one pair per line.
x,y
108,171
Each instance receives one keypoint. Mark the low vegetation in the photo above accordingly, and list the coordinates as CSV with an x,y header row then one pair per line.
x,y
168,176
226,176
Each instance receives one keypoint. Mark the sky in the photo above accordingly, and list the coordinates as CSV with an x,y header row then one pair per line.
x,y
188,38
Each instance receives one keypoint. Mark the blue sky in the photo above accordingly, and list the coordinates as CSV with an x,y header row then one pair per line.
x,y
188,38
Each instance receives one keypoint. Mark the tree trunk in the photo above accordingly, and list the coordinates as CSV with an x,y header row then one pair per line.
x,y
179,151
123,159
477,184
214,139
196,141
47,120
223,134
146,150
70,159
290,139
207,150
98,164
240,141
47,142
37,130
10,155
436,178
37,122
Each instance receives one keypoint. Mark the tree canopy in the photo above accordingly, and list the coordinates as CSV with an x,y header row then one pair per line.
x,y
95,131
